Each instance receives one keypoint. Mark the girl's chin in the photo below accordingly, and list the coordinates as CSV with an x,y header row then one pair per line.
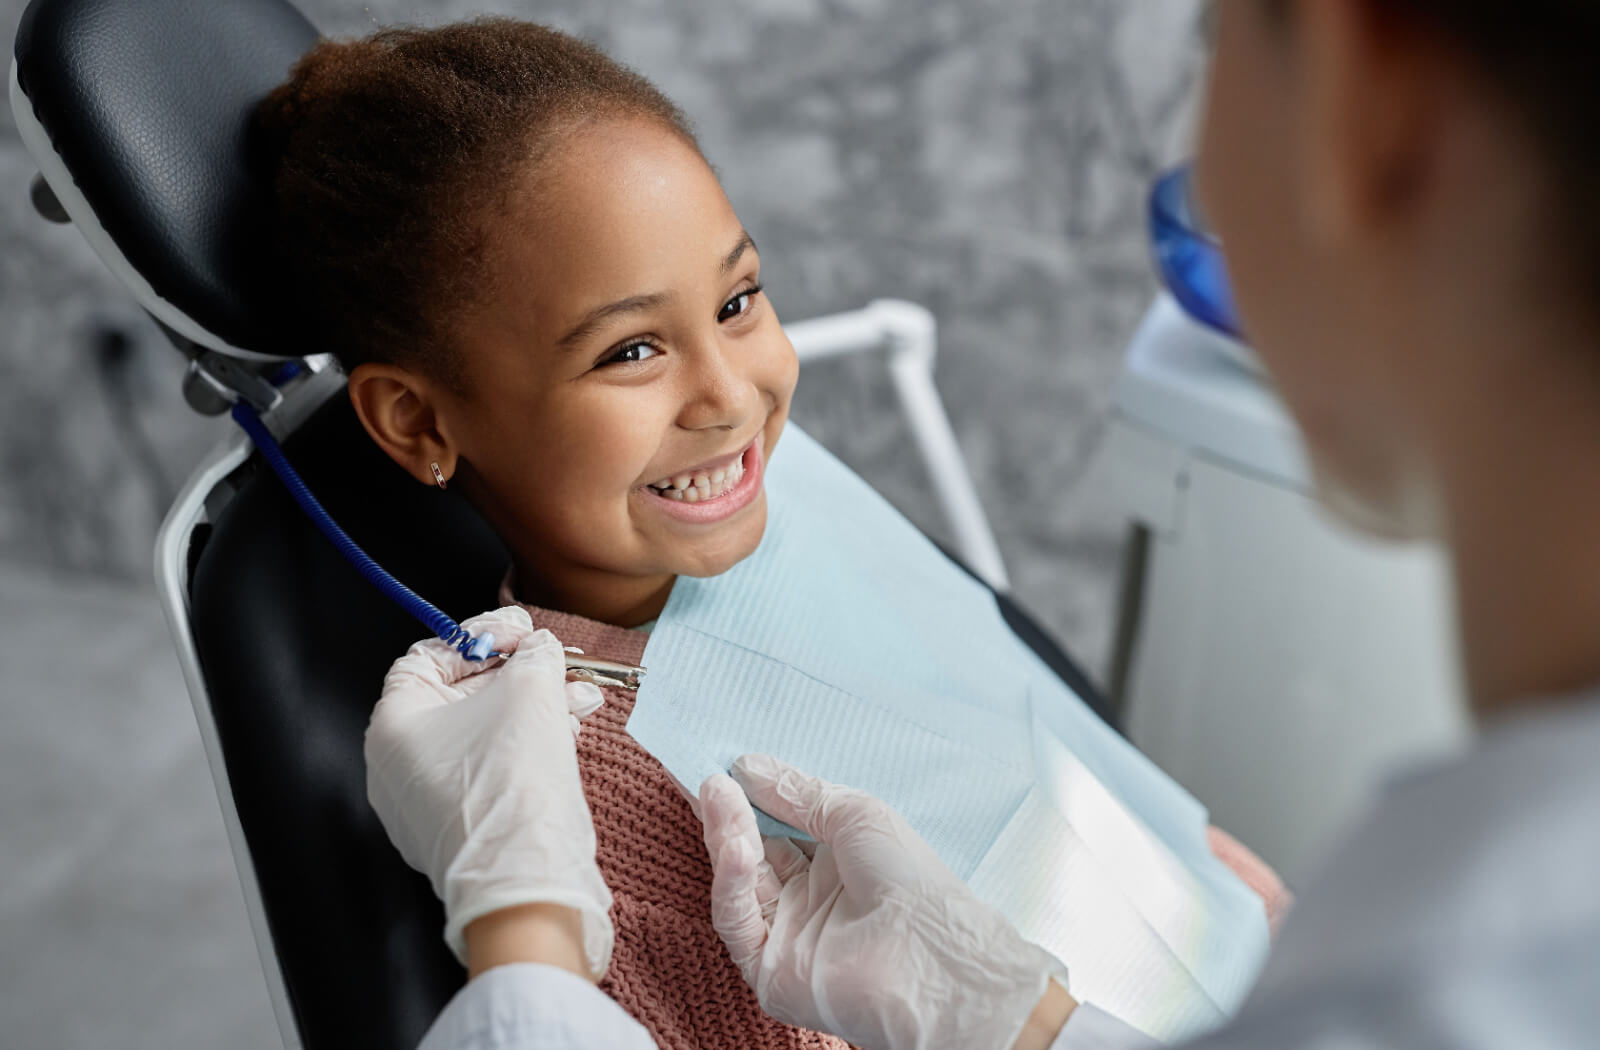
x,y
715,554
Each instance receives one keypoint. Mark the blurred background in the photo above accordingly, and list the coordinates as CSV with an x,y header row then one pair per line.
x,y
986,159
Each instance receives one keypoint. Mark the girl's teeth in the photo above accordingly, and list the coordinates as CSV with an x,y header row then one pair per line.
x,y
692,488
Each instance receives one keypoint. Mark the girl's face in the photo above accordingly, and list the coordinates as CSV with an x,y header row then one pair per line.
x,y
625,383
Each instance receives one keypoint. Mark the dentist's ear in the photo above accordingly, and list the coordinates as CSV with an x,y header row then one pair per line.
x,y
399,409
1371,114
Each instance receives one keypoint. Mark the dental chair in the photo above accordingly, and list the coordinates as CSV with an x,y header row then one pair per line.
x,y
135,112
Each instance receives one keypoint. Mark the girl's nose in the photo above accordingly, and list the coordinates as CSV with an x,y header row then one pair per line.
x,y
717,392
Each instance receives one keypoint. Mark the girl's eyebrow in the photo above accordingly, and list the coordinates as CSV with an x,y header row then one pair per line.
x,y
746,243
600,315
635,303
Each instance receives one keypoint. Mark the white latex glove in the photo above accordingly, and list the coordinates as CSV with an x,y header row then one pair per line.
x,y
872,939
473,771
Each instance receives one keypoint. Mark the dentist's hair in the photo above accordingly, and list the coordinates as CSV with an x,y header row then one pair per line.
x,y
390,157
1539,53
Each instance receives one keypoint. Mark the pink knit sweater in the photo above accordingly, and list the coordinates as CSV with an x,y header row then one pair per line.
x,y
669,969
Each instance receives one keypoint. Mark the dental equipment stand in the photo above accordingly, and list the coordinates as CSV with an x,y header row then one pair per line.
x,y
1275,663
908,335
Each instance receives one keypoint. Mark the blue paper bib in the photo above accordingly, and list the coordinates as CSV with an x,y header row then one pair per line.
x,y
851,646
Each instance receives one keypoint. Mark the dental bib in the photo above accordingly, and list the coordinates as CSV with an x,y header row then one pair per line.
x,y
849,645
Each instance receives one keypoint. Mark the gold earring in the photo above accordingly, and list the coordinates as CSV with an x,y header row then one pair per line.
x,y
438,475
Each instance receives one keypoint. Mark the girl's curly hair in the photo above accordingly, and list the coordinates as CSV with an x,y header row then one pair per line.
x,y
391,156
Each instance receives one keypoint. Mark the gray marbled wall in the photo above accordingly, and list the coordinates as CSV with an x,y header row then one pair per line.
x,y
985,158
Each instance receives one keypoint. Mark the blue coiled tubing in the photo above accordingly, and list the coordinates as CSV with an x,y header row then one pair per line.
x,y
430,615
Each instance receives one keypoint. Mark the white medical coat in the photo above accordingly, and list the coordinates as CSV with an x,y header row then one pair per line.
x,y
1464,913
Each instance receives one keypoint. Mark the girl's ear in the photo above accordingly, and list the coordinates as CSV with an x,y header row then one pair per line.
x,y
400,410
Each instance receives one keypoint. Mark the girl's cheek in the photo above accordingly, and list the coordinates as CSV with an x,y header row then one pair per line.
x,y
621,442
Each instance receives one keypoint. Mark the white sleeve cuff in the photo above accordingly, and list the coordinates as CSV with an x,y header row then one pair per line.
x,y
526,1006
1091,1028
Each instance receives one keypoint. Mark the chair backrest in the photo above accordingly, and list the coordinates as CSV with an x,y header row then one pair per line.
x,y
138,114
293,644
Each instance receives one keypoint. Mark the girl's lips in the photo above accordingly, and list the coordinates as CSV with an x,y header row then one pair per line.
x,y
724,506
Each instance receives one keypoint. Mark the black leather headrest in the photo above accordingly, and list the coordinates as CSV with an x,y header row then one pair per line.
x,y
147,104
294,644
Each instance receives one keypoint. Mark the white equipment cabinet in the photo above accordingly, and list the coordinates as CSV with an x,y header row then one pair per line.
x,y
1276,664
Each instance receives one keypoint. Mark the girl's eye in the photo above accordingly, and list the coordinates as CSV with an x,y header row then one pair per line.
x,y
738,304
631,354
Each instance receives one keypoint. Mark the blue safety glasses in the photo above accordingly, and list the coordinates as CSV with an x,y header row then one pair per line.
x,y
1189,256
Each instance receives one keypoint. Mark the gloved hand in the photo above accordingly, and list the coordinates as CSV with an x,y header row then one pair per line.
x,y
472,769
872,939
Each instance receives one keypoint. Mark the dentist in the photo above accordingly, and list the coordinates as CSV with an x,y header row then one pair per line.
x,y
1409,192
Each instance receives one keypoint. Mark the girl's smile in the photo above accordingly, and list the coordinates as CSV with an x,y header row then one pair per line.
x,y
710,492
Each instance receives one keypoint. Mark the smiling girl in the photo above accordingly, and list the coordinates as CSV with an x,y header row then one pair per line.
x,y
542,297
